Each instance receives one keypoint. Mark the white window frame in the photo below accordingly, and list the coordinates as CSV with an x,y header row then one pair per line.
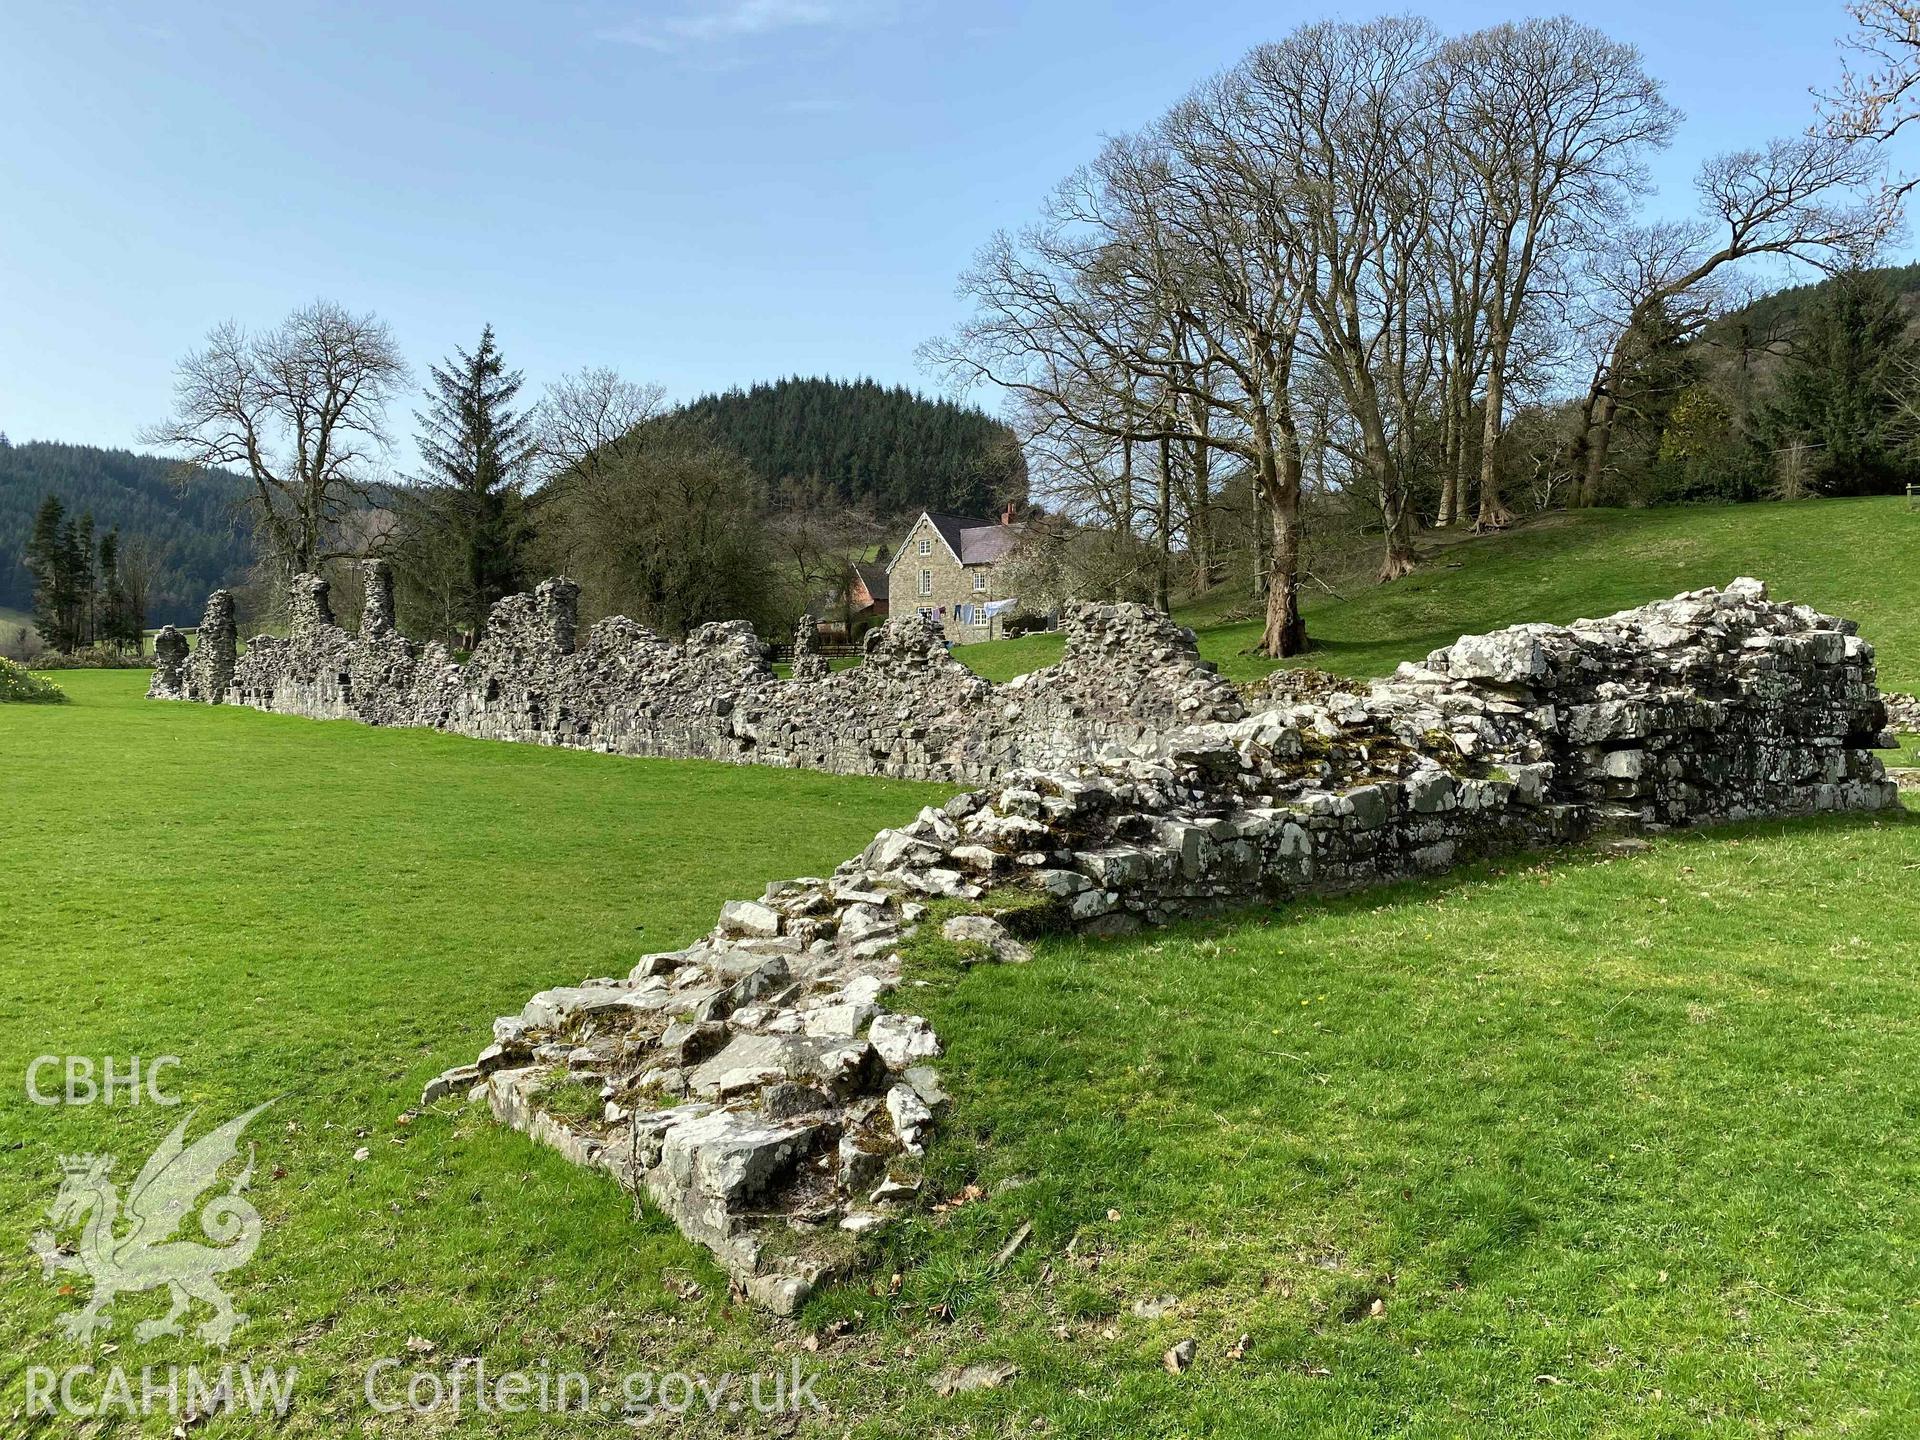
x,y
926,545
926,612
926,582
979,582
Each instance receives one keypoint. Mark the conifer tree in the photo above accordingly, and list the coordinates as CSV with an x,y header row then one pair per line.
x,y
47,559
477,452
1840,392
81,580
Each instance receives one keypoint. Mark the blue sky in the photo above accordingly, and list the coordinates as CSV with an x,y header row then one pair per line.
x,y
698,194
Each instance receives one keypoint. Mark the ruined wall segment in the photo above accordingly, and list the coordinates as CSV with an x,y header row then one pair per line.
x,y
760,1088
209,670
908,710
170,656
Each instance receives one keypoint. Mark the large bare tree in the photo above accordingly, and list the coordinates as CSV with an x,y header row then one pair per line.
x,y
1332,114
1167,235
1552,120
302,410
1879,93
577,427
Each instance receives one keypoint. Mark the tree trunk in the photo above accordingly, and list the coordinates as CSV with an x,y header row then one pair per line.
x,y
1278,474
1396,514
1163,571
1262,539
1399,558
1494,514
1449,455
1200,516
1582,441
1599,441
1285,633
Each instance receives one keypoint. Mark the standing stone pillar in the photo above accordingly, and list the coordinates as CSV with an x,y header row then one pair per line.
x,y
210,672
808,663
557,602
376,616
309,605
169,665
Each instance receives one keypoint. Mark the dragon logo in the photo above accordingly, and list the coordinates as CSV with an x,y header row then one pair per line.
x,y
148,1256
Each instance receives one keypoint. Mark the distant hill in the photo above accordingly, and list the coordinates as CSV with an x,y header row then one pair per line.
x,y
1776,315
138,495
884,446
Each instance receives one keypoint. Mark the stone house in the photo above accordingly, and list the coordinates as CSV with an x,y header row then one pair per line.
x,y
952,569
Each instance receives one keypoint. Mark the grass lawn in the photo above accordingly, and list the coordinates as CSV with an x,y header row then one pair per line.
x,y
1849,557
1595,1147
331,914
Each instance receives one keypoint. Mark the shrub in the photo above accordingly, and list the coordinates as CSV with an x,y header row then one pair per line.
x,y
20,686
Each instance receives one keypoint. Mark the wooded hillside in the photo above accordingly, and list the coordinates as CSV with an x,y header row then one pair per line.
x,y
886,447
137,495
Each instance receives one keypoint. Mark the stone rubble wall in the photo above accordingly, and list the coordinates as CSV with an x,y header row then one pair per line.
x,y
204,673
1903,712
908,710
761,1087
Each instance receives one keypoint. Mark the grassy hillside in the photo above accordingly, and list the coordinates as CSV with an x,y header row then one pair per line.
x,y
1849,557
1584,1147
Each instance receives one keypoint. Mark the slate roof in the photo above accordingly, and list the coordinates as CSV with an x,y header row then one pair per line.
x,y
953,528
984,544
874,577
973,540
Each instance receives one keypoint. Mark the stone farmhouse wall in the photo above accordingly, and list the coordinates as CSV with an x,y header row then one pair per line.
x,y
909,709
951,585
761,1086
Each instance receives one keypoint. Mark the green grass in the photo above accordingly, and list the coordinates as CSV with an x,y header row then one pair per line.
x,y
331,914
1620,1147
1643,1126
1848,557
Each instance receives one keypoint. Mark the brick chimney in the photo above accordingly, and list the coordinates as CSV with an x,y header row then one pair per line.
x,y
1006,514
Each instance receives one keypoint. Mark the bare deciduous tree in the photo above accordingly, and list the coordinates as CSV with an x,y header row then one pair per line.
x,y
302,409
1880,90
576,427
1164,235
1552,119
583,413
1332,113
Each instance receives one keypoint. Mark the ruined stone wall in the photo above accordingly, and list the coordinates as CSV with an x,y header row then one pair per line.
x,y
909,709
760,1089
204,673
